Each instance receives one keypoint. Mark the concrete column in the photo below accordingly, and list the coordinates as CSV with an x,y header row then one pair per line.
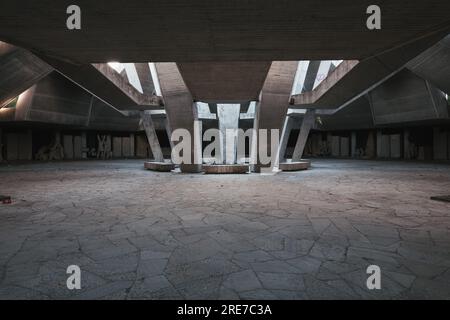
x,y
272,109
228,122
379,144
353,142
181,111
152,138
132,151
289,124
406,154
145,78
84,148
307,124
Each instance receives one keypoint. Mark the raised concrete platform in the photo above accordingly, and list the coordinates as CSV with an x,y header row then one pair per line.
x,y
159,166
295,166
226,169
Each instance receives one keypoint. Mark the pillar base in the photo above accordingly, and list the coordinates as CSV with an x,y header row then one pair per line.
x,y
191,168
159,166
295,166
226,169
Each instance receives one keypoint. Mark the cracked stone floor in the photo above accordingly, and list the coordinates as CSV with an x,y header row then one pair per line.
x,y
143,235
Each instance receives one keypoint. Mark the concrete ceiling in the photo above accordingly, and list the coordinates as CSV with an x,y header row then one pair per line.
x,y
224,81
232,30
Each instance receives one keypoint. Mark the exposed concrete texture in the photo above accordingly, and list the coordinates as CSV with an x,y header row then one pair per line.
x,y
173,30
226,169
135,235
224,81
406,98
290,124
19,70
159,166
152,138
433,65
311,76
145,78
272,108
294,166
308,122
105,83
352,79
228,125
180,110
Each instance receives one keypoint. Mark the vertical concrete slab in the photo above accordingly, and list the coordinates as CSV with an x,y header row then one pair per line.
x,y
141,147
289,125
12,151
126,147
406,145
180,110
25,145
228,115
345,147
395,146
353,143
84,148
272,108
307,124
68,147
152,138
117,147
439,144
132,148
370,145
335,146
77,147
385,146
379,144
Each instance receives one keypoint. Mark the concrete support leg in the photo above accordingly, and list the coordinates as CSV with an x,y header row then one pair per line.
x,y
307,125
353,142
289,124
84,148
181,112
152,138
271,111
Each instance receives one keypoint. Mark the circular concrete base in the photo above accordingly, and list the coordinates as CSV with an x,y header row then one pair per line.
x,y
159,166
295,166
225,168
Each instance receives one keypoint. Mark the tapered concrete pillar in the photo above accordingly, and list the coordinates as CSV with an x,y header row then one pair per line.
x,y
181,112
152,138
307,124
271,111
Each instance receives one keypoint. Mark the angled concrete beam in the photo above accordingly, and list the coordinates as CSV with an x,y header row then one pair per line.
x,y
19,70
353,79
434,65
180,110
272,108
103,82
311,76
307,124
152,138
145,78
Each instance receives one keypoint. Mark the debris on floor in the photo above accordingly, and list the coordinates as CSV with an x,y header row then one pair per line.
x,y
5,199
441,198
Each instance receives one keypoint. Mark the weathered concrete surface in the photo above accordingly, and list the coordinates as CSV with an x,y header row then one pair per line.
x,y
294,165
308,122
224,81
433,65
352,79
180,109
145,78
272,108
173,30
406,98
106,84
225,169
148,235
159,166
152,138
19,70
